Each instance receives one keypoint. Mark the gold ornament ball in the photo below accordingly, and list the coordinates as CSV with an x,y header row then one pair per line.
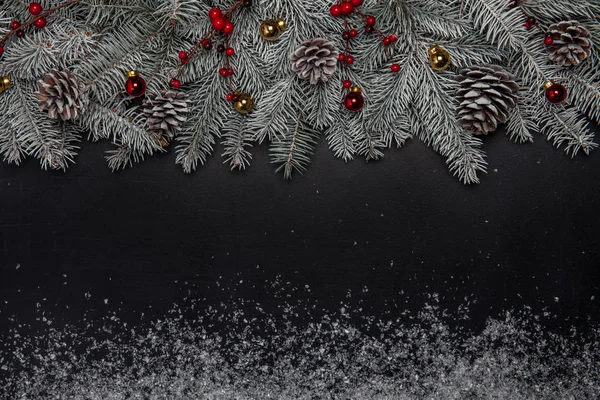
x,y
245,104
271,29
5,84
439,58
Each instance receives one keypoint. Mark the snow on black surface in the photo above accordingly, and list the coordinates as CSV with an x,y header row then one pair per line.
x,y
241,349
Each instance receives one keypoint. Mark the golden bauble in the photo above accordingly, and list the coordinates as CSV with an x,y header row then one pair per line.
x,y
439,58
271,29
244,104
5,85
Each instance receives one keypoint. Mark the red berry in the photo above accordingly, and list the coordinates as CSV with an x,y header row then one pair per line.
x,y
393,38
229,97
40,22
347,84
335,10
342,58
176,83
386,41
346,35
35,8
350,60
20,33
228,28
356,3
529,23
347,8
368,29
548,40
224,72
218,23
15,25
395,68
230,71
182,55
1,50
230,51
353,33
236,97
556,93
207,44
371,20
214,13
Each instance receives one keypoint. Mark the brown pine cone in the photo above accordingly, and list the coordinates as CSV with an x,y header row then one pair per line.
x,y
571,43
315,60
60,93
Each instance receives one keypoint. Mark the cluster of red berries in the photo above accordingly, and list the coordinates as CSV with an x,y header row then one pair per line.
x,y
220,21
233,97
344,8
35,8
529,23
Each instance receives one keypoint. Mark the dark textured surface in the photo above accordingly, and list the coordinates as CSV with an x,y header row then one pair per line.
x,y
527,235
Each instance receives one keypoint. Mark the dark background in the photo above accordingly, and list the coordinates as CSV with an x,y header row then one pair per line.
x,y
403,227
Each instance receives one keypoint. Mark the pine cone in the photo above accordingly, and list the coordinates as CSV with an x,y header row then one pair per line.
x,y
60,94
315,60
486,95
166,112
571,43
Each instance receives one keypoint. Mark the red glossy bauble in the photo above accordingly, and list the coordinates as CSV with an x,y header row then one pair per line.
x,y
228,28
135,86
548,40
556,93
218,23
354,101
395,67
35,8
176,83
347,8
40,23
215,13
335,10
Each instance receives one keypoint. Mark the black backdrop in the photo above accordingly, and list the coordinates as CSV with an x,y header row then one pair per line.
x,y
527,235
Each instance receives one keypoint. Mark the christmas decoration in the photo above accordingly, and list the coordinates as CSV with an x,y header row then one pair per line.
x,y
135,85
166,112
439,58
271,29
60,94
217,57
315,60
486,95
555,92
569,43
243,102
354,100
4,84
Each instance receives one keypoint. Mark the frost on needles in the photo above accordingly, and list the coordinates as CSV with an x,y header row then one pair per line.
x,y
94,43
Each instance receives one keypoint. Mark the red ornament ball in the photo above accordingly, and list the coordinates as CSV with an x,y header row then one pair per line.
x,y
218,23
555,93
224,72
176,83
214,13
35,8
395,68
548,40
357,3
347,84
371,20
228,28
15,25
347,8
135,86
40,23
354,101
230,51
335,10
